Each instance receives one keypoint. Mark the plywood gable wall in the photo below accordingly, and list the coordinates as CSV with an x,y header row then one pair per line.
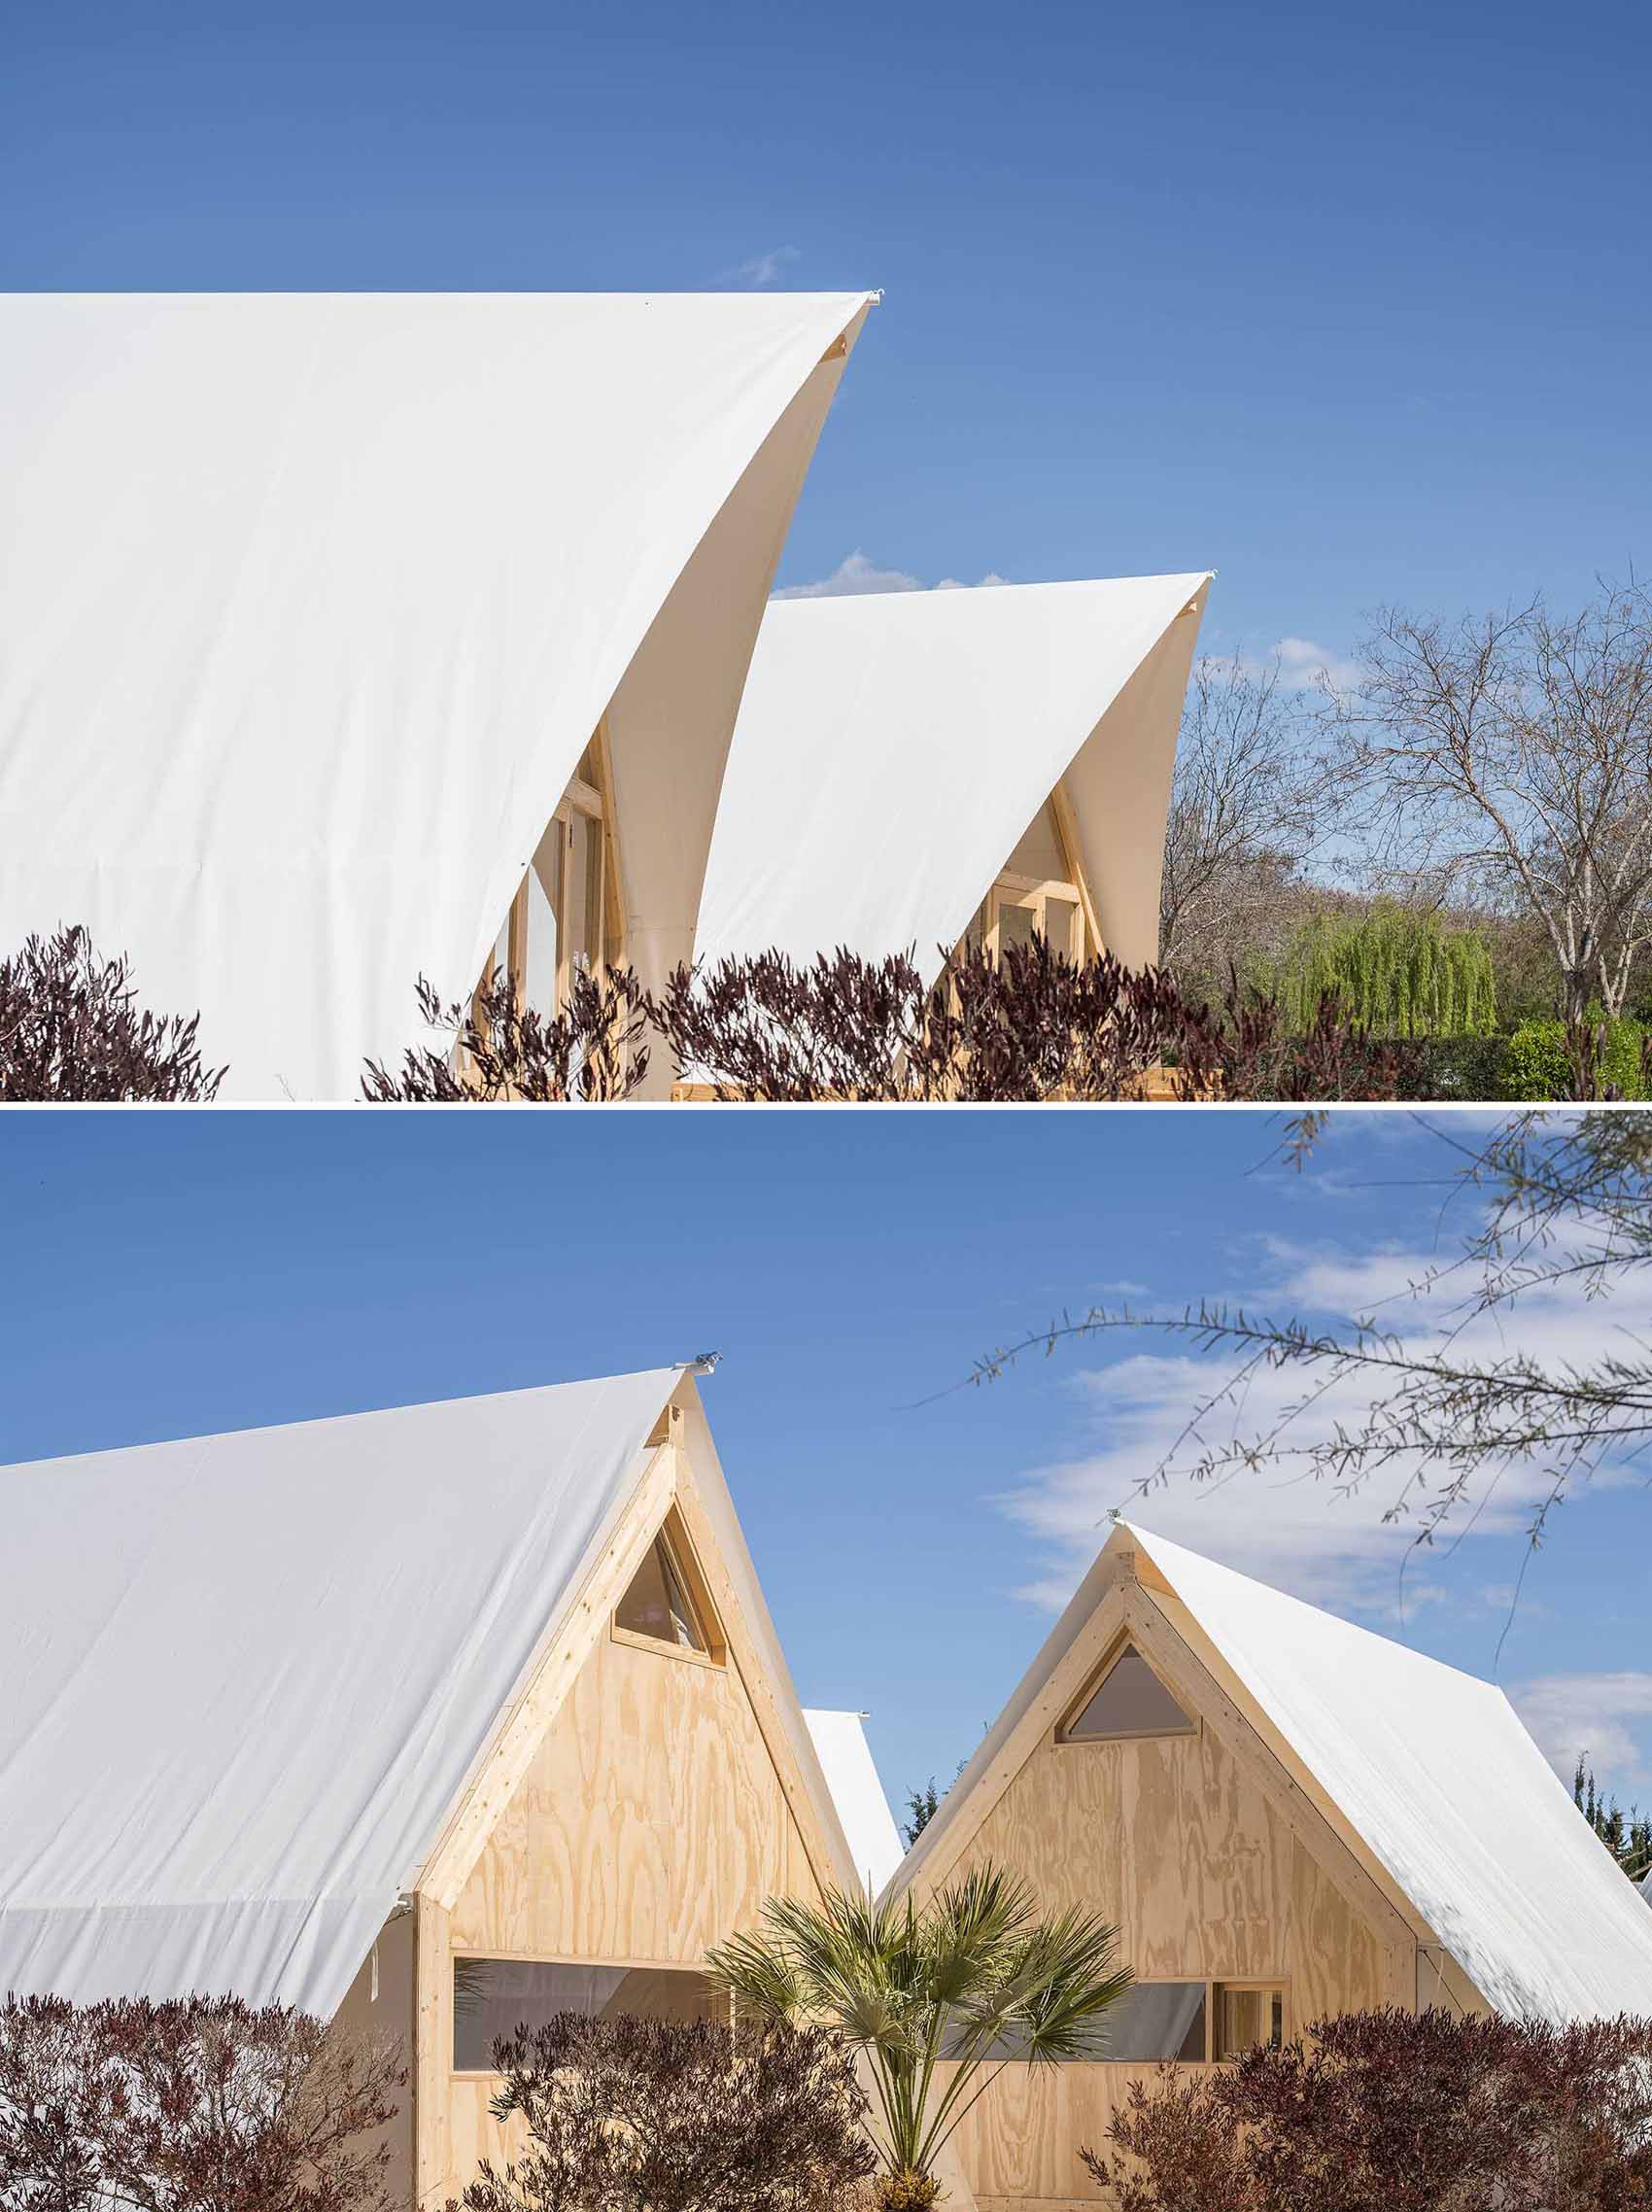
x,y
651,1823
1210,1861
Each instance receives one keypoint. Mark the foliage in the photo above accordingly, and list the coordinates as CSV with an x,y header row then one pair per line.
x,y
1627,1836
1029,1026
1412,2112
1252,1052
1595,1059
202,2105
630,2115
922,1804
70,1028
1395,972
1462,1070
1561,1204
976,1977
592,1050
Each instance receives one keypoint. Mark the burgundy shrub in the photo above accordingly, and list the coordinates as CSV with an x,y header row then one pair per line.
x,y
201,2105
630,2115
592,1050
1028,1025
1390,2111
70,1028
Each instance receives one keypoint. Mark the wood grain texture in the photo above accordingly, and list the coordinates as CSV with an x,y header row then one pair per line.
x,y
650,1823
1214,1864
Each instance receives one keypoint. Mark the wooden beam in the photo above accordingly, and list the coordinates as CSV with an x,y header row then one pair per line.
x,y
433,2054
612,845
546,1681
1067,831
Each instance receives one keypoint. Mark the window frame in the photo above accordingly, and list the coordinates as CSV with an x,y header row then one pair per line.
x,y
459,1951
685,1563
588,798
1267,1985
1270,1983
1066,1741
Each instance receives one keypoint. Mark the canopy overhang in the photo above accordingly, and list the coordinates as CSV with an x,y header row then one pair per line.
x,y
892,748
311,603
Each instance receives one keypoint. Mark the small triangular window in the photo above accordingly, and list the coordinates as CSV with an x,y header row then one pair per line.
x,y
660,1603
1130,1700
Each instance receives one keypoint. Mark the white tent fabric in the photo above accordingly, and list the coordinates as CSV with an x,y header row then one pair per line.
x,y
846,1757
1437,1773
309,605
247,1675
892,748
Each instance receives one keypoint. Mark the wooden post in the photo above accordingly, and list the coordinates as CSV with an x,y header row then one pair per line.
x,y
433,2054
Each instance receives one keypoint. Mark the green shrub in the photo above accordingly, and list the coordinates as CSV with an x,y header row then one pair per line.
x,y
1537,1066
1469,1070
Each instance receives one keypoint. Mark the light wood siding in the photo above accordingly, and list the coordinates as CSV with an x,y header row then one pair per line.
x,y
651,1823
1214,1868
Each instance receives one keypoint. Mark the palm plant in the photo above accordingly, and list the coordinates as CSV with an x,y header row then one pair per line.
x,y
940,1999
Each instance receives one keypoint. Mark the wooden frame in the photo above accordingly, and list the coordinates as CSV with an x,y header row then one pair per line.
x,y
1063,1738
679,1548
458,1951
589,798
1011,889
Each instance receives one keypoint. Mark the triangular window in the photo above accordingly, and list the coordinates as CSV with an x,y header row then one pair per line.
x,y
1130,1700
661,1603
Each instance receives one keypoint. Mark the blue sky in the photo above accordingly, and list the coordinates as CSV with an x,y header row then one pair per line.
x,y
1348,307
170,1275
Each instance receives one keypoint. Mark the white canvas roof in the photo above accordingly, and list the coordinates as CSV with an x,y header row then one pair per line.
x,y
845,1758
247,1675
892,748
1433,1771
311,604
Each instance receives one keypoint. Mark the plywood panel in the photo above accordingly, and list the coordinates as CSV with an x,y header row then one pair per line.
x,y
1168,1837
1211,1870
650,1823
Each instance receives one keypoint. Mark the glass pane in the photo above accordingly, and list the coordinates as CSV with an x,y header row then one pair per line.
x,y
1130,1700
1150,2021
493,1997
574,913
1064,927
658,1603
1244,2018
1015,926
590,835
1157,2020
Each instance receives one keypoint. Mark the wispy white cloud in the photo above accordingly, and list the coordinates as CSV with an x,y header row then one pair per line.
x,y
1305,665
1605,1719
762,268
855,574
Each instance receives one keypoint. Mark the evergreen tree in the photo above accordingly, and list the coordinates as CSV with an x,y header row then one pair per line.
x,y
1628,1835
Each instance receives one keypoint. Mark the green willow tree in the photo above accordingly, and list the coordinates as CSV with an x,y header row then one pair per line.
x,y
1395,972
